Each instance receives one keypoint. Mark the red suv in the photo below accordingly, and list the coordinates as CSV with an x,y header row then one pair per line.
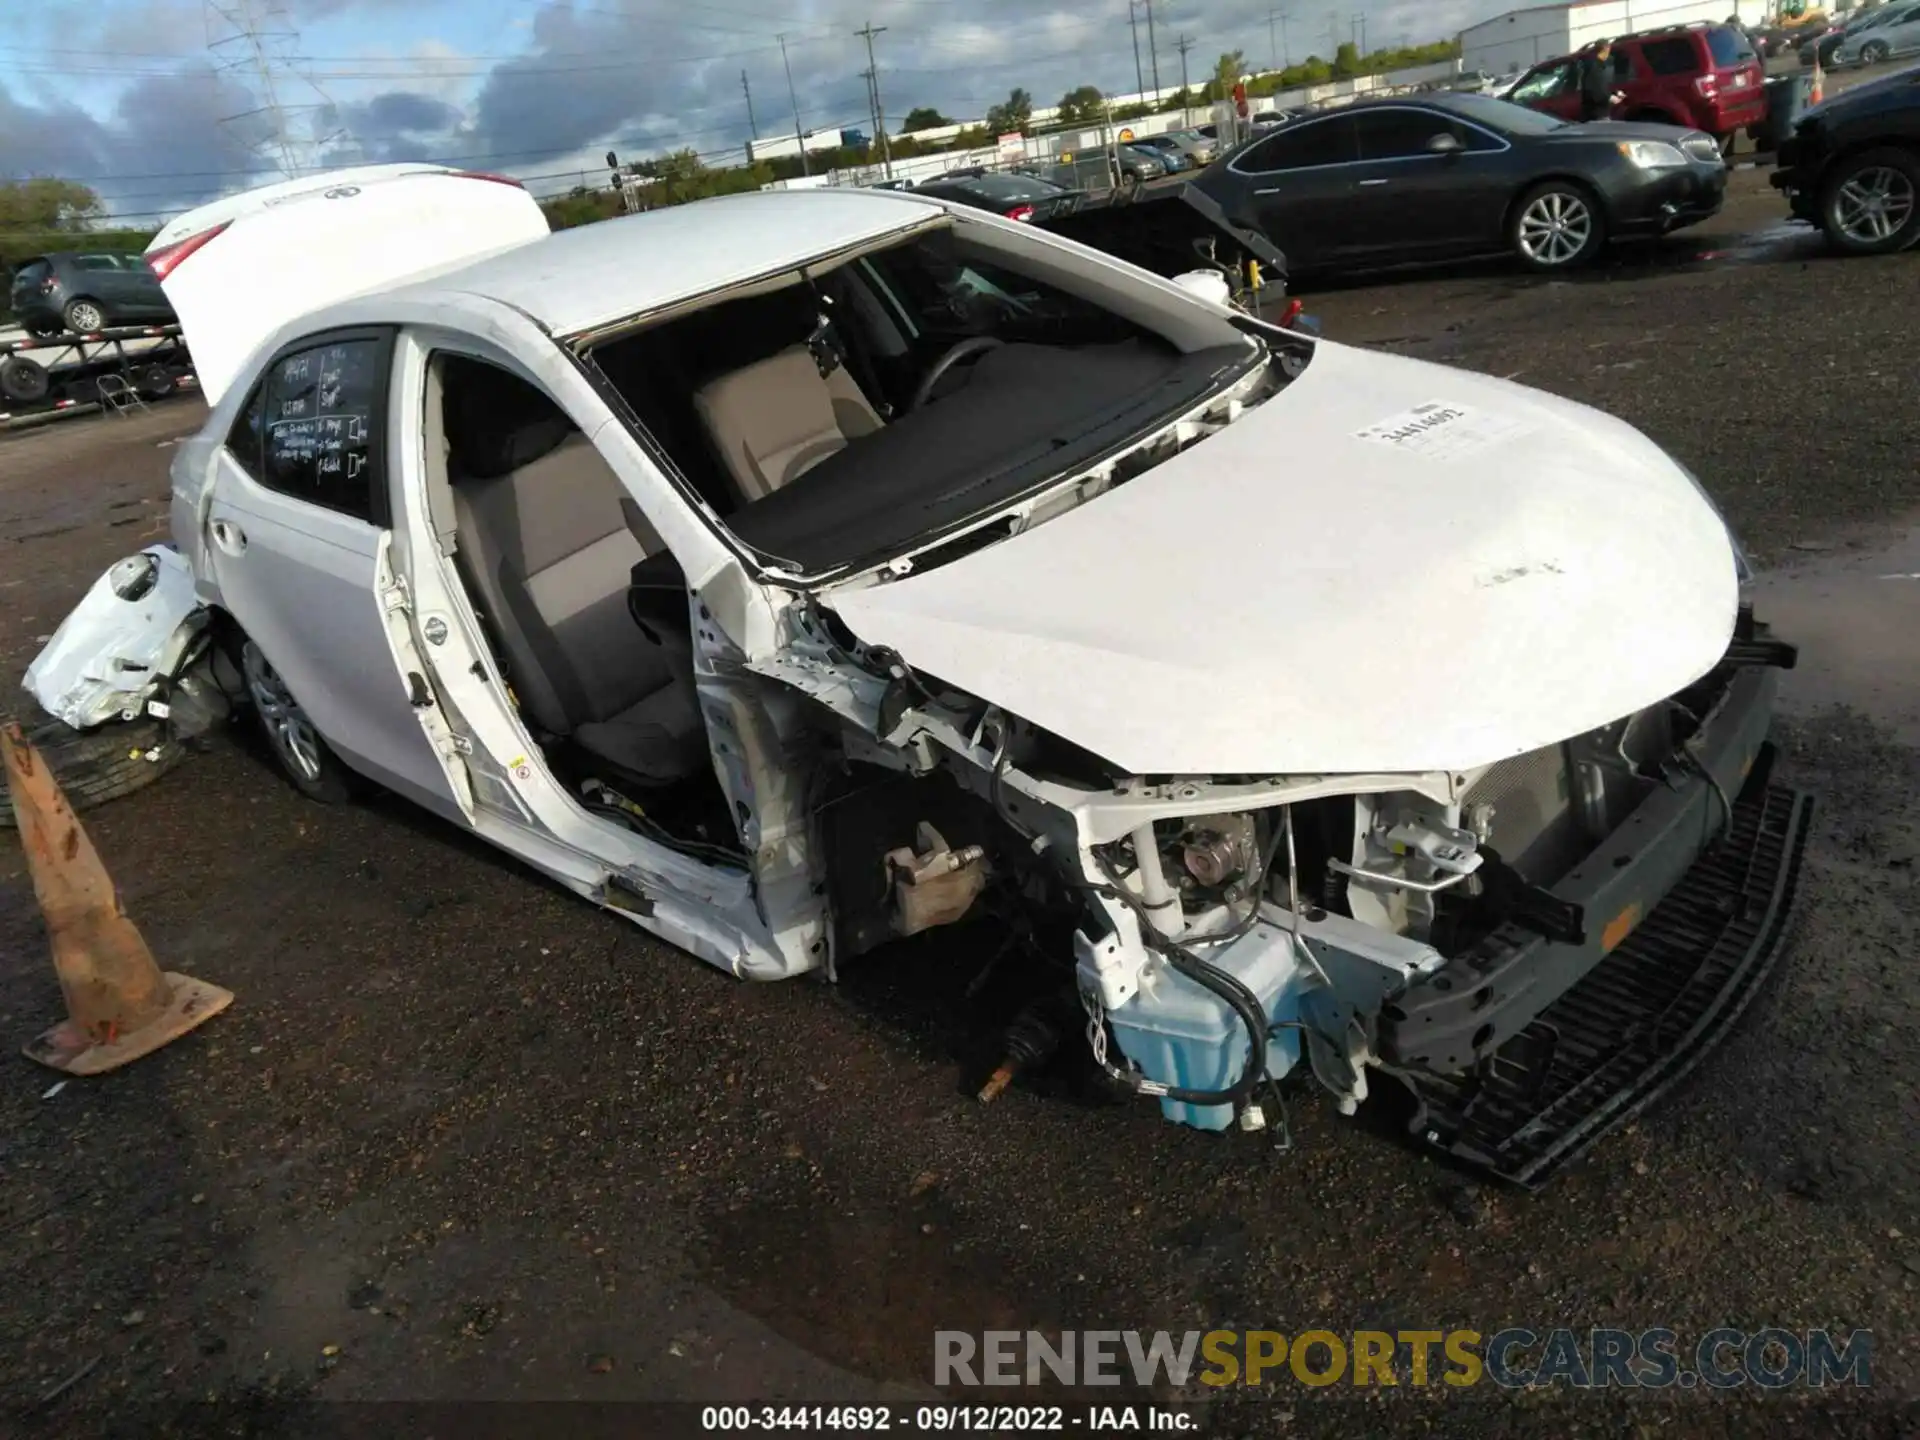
x,y
1705,77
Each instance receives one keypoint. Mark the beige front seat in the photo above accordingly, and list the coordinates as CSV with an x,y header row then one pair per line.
x,y
777,418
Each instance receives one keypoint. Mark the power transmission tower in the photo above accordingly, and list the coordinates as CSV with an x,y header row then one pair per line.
x,y
1153,47
799,137
1133,24
867,32
746,88
256,39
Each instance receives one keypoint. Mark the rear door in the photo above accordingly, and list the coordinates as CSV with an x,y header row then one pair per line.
x,y
1300,189
1412,202
299,541
99,278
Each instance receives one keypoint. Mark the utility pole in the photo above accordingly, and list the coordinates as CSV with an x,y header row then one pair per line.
x,y
747,89
799,138
1183,45
867,33
1153,48
1133,24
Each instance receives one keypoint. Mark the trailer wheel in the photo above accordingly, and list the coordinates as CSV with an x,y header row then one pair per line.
x,y
98,765
23,381
154,382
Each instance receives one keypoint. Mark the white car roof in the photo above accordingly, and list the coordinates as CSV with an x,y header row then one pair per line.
x,y
592,275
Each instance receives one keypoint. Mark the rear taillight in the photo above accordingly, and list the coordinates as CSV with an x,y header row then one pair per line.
x,y
1019,212
164,261
488,175
1707,84
49,285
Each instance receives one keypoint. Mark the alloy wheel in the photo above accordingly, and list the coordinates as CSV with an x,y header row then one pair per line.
x,y
286,723
85,317
1555,228
1872,206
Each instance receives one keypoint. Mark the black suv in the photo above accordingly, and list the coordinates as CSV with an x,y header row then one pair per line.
x,y
72,290
1852,166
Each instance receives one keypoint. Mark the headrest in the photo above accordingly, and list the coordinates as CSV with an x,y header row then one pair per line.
x,y
496,422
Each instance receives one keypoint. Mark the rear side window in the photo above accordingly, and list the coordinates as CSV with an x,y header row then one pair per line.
x,y
1296,147
96,262
1395,134
1727,48
311,429
1672,56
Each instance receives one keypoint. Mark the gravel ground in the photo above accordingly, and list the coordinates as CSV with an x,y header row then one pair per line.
x,y
463,1137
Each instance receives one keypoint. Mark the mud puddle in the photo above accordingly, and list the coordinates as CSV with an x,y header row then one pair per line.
x,y
1854,611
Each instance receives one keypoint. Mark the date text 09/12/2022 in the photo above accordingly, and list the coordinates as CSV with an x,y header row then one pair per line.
x,y
950,1419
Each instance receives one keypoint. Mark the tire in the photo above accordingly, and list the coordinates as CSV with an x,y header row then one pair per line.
x,y
1556,226
154,382
23,381
1870,202
98,765
316,772
1875,52
44,329
84,316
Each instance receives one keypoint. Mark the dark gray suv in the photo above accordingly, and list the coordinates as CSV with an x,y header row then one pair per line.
x,y
72,290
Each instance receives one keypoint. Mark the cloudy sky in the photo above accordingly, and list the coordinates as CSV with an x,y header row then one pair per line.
x,y
147,100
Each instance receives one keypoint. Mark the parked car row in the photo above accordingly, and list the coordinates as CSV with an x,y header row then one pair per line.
x,y
1866,37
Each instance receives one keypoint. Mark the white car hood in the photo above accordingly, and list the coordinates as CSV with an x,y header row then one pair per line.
x,y
1343,581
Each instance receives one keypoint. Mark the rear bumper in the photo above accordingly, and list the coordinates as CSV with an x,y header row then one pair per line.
x,y
1670,201
1800,183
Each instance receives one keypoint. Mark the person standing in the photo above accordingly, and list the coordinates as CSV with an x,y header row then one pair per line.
x,y
1596,82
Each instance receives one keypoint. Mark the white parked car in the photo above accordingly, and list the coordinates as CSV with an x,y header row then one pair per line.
x,y
795,572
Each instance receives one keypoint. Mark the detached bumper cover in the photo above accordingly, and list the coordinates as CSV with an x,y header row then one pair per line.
x,y
1524,1050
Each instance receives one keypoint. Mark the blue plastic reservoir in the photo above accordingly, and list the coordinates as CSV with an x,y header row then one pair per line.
x,y
1180,1033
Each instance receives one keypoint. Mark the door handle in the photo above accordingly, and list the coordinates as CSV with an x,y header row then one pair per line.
x,y
1365,183
229,537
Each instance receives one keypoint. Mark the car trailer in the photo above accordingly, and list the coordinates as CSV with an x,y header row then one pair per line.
x,y
77,374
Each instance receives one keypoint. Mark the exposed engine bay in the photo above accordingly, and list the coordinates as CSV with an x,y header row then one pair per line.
x,y
1220,930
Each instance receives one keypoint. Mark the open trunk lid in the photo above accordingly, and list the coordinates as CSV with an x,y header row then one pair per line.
x,y
239,268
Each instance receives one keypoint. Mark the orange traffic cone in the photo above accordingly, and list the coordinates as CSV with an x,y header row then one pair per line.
x,y
1819,81
119,1004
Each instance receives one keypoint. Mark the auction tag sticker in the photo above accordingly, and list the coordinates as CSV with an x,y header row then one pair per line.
x,y
1442,431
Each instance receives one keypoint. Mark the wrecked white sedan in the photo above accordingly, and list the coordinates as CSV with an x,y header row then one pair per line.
x,y
796,572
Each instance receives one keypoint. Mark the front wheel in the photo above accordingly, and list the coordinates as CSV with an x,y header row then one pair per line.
x,y
315,770
1870,204
1556,226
